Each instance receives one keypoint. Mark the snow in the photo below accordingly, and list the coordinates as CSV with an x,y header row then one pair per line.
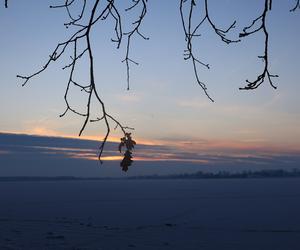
x,y
151,214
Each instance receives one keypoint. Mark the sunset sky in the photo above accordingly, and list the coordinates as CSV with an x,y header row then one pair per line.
x,y
164,105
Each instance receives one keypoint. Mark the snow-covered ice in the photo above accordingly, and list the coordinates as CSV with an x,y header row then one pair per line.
x,y
242,214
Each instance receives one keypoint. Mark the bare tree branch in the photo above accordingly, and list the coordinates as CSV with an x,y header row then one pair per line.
x,y
297,6
249,31
134,31
83,36
191,33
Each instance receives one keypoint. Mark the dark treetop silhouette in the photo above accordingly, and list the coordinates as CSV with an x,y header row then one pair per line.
x,y
92,12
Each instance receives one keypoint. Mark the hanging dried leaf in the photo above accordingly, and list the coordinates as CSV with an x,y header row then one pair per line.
x,y
129,144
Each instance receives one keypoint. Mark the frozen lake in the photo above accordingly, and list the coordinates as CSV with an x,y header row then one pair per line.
x,y
151,214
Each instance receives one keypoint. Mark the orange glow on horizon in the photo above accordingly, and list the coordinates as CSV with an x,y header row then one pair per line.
x,y
111,158
46,133
206,152
136,158
235,145
195,145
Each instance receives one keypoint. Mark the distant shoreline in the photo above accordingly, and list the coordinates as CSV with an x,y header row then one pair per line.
x,y
198,175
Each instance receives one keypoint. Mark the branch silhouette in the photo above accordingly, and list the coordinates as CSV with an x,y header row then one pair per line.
x,y
297,6
84,22
250,30
134,31
82,35
190,32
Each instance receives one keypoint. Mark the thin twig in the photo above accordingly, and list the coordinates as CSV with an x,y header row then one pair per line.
x,y
191,33
297,6
134,31
247,32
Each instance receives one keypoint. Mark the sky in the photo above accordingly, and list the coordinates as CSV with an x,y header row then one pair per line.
x,y
164,104
29,155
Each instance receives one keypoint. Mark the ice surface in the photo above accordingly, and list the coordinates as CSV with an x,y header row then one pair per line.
x,y
246,214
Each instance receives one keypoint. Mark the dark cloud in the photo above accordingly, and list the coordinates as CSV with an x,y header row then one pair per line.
x,y
26,155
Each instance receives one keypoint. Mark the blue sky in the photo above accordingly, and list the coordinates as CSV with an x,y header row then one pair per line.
x,y
164,105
